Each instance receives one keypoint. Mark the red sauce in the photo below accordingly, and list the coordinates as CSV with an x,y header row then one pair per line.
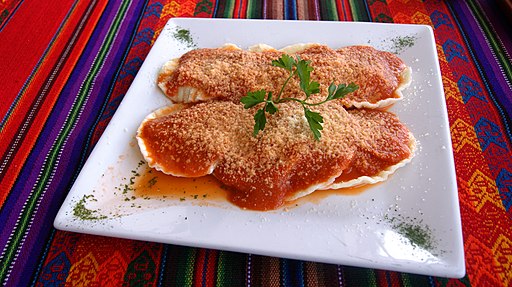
x,y
207,188
228,74
153,183
180,149
258,195
347,175
190,164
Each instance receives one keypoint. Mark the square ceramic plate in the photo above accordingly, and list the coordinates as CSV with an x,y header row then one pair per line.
x,y
410,223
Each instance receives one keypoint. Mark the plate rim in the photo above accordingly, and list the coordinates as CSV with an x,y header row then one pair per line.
x,y
61,218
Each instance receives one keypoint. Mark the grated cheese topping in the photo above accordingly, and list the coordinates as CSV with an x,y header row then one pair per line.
x,y
228,73
283,162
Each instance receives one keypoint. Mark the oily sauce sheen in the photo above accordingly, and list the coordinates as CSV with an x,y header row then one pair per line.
x,y
204,189
283,162
153,183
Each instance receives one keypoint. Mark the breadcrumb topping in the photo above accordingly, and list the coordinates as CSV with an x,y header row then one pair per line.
x,y
229,73
210,132
283,161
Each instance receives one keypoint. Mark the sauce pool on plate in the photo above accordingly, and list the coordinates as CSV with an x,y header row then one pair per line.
x,y
153,183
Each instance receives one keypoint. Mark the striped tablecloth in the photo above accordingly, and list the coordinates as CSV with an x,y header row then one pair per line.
x,y
65,66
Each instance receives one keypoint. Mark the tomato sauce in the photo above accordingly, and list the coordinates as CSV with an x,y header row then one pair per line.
x,y
152,183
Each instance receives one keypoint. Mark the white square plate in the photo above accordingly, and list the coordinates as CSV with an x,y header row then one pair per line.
x,y
410,223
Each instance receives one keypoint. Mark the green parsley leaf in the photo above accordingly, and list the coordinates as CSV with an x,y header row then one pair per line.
x,y
304,70
343,90
332,90
310,88
271,108
301,69
259,121
285,62
253,98
269,97
315,121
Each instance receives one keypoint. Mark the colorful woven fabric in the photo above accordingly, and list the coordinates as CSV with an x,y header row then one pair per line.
x,y
65,66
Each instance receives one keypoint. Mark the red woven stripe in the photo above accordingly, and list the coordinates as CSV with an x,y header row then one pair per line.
x,y
35,88
343,7
381,278
199,267
26,28
211,268
205,267
243,13
395,279
236,8
7,8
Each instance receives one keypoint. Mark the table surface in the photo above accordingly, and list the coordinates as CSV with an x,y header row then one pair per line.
x,y
66,65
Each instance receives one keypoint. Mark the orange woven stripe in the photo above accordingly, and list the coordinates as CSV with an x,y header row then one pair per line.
x,y
34,88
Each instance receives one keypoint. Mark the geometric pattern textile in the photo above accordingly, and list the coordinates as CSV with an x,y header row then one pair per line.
x,y
66,65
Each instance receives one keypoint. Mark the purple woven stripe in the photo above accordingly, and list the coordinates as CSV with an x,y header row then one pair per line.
x,y
488,62
316,10
71,154
499,23
28,175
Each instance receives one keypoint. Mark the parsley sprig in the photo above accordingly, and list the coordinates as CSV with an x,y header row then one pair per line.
x,y
297,68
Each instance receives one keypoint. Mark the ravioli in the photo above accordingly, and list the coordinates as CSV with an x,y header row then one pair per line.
x,y
283,162
392,146
228,73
